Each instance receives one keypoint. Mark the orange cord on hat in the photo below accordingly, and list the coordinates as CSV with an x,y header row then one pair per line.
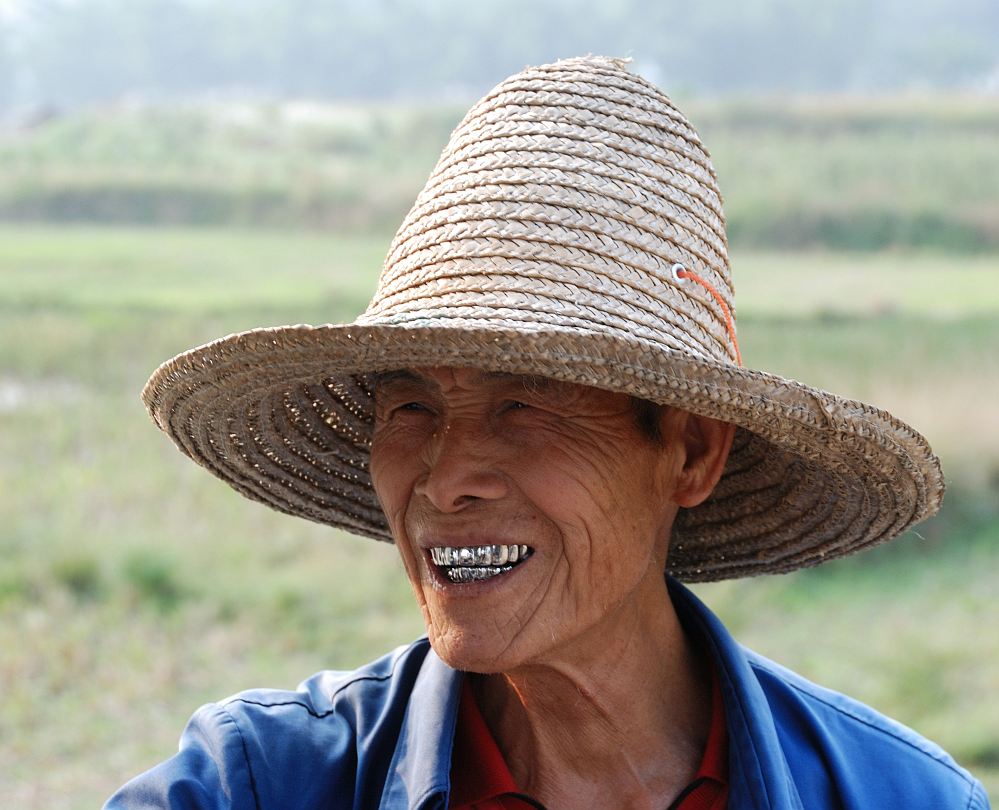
x,y
679,271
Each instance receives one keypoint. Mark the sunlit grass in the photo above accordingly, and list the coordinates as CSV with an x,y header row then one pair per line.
x,y
817,283
189,272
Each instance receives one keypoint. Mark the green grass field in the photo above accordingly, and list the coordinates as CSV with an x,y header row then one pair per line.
x,y
849,173
134,586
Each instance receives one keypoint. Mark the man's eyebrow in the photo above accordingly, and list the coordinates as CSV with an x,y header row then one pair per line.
x,y
402,375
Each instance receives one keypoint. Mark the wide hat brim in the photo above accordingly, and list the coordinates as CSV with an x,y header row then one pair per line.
x,y
284,415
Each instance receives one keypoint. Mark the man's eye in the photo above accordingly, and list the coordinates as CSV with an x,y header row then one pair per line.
x,y
406,410
516,405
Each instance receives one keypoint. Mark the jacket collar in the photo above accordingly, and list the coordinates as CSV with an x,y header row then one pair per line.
x,y
419,776
759,776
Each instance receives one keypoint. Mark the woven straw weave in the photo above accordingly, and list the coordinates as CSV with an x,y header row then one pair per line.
x,y
547,241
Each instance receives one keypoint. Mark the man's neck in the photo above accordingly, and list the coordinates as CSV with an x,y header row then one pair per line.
x,y
621,719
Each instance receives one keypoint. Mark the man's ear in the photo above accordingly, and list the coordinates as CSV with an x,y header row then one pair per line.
x,y
706,443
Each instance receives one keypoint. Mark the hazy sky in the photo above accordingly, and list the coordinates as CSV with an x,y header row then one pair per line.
x,y
65,53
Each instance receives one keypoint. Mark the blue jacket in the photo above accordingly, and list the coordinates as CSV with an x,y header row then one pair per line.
x,y
381,737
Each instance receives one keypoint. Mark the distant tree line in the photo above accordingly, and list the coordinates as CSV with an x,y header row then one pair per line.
x,y
72,52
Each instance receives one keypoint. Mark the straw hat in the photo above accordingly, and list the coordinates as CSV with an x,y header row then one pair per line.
x,y
572,229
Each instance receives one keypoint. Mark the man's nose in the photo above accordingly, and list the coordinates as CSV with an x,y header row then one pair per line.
x,y
461,468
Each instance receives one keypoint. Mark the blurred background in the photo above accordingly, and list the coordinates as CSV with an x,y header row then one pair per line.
x,y
175,170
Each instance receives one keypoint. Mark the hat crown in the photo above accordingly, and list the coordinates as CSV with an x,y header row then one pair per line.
x,y
568,198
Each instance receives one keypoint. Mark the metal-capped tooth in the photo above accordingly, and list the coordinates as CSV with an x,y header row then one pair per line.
x,y
479,556
463,574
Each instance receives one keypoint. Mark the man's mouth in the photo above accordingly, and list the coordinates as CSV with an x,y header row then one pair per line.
x,y
475,563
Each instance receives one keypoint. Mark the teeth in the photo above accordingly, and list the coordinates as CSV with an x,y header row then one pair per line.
x,y
471,574
479,557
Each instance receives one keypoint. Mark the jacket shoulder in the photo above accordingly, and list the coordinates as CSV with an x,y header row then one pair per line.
x,y
306,743
330,692
265,747
843,750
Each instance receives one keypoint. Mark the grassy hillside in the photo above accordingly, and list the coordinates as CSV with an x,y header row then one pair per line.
x,y
134,586
846,174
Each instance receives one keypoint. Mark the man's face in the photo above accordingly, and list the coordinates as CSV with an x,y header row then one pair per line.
x,y
471,466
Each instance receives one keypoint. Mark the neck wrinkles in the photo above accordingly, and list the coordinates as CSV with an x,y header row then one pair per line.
x,y
633,708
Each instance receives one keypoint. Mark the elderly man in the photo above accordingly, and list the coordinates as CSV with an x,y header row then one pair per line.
x,y
545,408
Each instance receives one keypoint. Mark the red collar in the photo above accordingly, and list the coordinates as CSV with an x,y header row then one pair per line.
x,y
481,780
708,790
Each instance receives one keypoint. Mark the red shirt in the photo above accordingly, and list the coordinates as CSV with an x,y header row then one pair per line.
x,y
481,780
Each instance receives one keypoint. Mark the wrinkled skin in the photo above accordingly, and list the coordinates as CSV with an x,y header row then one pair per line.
x,y
462,458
